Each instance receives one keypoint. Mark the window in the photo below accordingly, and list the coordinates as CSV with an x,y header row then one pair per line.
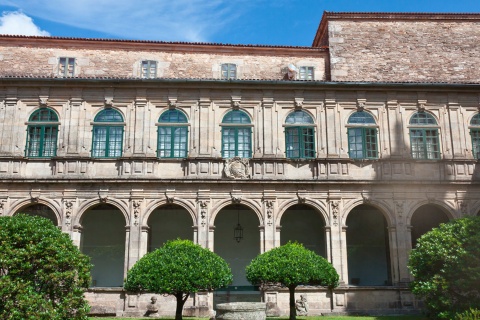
x,y
107,134
229,71
362,136
424,140
172,135
42,134
66,67
475,134
149,69
299,135
306,73
236,135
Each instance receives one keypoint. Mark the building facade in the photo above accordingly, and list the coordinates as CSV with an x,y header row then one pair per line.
x,y
355,147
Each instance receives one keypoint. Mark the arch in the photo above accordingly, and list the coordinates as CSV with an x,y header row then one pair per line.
x,y
299,117
309,202
378,205
368,247
237,116
162,202
44,115
88,204
109,115
448,210
423,119
424,218
475,120
225,203
362,118
173,116
27,202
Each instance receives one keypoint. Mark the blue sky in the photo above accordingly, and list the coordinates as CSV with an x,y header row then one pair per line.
x,y
270,22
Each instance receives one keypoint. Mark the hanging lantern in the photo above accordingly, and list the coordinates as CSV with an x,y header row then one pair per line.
x,y
238,231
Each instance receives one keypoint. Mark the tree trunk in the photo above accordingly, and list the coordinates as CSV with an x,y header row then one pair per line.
x,y
180,302
293,311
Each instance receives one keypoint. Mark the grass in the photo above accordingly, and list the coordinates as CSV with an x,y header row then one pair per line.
x,y
299,318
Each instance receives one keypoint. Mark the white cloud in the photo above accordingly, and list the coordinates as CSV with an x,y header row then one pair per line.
x,y
19,24
177,20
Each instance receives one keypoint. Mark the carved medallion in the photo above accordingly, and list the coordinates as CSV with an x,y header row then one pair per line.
x,y
237,168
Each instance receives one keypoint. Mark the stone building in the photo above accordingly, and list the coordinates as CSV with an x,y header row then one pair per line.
x,y
354,147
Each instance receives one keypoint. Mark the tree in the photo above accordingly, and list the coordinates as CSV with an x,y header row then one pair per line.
x,y
291,265
446,267
42,274
179,268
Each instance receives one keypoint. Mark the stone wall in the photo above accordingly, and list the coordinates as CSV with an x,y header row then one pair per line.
x,y
403,51
92,60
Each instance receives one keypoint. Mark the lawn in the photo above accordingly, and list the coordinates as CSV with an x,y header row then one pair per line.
x,y
299,318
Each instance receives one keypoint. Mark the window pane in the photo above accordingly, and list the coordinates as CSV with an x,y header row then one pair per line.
x,y
236,116
423,118
164,142
475,143
33,143
417,141
109,115
361,117
50,142
299,116
99,141
292,142
115,142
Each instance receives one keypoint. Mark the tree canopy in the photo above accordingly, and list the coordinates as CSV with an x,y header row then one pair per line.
x,y
179,268
446,267
42,274
291,265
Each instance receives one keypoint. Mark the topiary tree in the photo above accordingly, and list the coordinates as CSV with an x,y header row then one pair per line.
x,y
292,265
446,267
42,274
179,268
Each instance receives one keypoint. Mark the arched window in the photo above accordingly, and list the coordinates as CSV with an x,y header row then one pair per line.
x,y
172,135
475,133
299,135
362,136
107,134
424,142
236,135
42,133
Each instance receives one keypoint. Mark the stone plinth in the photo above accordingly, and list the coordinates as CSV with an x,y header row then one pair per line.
x,y
241,311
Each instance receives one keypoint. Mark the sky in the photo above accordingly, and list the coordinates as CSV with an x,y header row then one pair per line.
x,y
262,22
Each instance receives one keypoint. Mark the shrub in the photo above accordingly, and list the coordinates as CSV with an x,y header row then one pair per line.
x,y
179,268
446,267
471,314
42,274
291,265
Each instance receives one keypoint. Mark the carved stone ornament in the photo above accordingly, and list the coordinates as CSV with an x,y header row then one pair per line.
x,y
108,103
360,106
235,104
237,168
68,211
203,211
269,204
298,104
136,210
172,103
43,102
2,206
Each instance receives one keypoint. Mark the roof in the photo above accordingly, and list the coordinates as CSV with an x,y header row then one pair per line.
x,y
321,40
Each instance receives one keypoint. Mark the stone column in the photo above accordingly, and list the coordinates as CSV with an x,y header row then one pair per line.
x,y
269,125
206,125
72,128
396,142
142,127
135,234
333,140
77,235
269,222
202,222
403,242
338,249
143,249
128,263
459,130
394,261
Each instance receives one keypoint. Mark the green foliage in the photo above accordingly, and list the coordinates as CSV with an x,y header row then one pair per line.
x,y
292,265
179,268
471,314
446,267
42,274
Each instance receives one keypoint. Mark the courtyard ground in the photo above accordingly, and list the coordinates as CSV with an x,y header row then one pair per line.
x,y
299,318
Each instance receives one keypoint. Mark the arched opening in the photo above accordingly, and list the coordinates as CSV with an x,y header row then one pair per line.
x,y
168,222
425,219
39,210
304,225
368,247
238,253
103,240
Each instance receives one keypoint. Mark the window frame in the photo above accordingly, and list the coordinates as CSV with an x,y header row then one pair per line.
x,y
110,127
228,75
297,134
67,61
150,64
362,127
425,149
236,127
43,142
306,68
172,126
474,127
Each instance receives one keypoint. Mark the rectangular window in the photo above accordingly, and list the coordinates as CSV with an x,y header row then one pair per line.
x,y
362,143
475,143
236,142
107,142
300,142
66,67
229,71
172,142
149,69
42,141
306,73
424,144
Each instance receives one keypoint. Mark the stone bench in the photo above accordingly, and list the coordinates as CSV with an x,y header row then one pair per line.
x,y
241,311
